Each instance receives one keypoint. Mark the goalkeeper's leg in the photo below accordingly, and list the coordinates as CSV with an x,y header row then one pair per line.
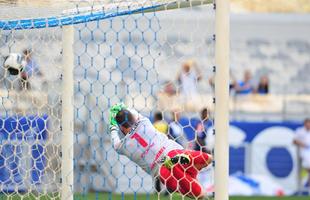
x,y
197,160
180,170
176,180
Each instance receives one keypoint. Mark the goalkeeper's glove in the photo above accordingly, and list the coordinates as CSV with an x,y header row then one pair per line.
x,y
183,159
113,112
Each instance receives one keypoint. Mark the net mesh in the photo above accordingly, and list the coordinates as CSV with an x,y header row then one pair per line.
x,y
138,59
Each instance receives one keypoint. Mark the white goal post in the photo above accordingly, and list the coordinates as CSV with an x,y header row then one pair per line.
x,y
221,118
67,115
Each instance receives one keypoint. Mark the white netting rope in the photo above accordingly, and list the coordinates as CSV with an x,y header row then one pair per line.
x,y
125,58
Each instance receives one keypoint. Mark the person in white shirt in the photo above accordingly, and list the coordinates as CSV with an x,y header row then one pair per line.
x,y
134,136
302,140
188,78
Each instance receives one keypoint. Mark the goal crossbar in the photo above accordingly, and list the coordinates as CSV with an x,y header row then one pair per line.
x,y
88,14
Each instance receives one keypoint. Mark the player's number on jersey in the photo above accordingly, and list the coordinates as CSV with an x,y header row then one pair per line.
x,y
139,139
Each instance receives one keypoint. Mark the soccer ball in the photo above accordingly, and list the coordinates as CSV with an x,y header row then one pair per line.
x,y
14,63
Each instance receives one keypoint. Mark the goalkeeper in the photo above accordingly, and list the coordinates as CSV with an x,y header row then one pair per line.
x,y
134,136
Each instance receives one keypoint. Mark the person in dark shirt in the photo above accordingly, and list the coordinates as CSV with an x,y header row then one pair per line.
x,y
263,85
201,131
176,131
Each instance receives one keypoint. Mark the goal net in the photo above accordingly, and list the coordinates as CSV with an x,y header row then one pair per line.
x,y
73,61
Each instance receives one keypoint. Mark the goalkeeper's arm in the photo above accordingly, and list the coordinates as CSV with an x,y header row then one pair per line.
x,y
114,129
115,140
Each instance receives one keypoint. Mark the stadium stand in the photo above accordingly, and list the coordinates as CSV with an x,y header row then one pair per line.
x,y
285,59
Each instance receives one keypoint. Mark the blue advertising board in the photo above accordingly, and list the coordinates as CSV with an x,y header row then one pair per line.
x,y
21,136
259,148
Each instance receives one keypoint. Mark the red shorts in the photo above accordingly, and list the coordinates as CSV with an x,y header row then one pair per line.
x,y
182,178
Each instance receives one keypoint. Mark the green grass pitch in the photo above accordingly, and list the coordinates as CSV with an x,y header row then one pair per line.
x,y
107,196
178,197
175,197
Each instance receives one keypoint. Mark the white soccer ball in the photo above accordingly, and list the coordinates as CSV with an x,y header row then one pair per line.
x,y
14,63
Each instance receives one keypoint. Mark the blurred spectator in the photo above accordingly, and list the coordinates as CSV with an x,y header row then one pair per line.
x,y
302,140
201,131
246,85
176,130
31,69
169,88
160,124
263,85
188,78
